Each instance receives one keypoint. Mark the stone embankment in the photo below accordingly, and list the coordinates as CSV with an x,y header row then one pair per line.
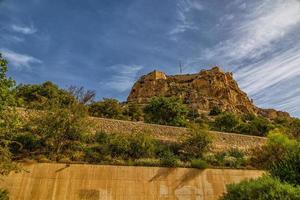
x,y
221,141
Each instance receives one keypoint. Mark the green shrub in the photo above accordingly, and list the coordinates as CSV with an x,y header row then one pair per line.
x,y
226,122
166,111
215,111
4,194
147,162
196,143
107,108
260,126
277,148
168,159
44,96
102,137
59,127
288,168
141,145
265,188
119,146
134,112
232,158
97,153
199,164
27,141
9,119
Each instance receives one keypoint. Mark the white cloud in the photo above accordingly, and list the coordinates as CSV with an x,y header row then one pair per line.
x,y
27,30
183,21
266,73
19,60
123,77
256,34
263,51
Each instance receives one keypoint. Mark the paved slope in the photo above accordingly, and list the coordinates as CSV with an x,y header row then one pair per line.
x,y
60,182
221,141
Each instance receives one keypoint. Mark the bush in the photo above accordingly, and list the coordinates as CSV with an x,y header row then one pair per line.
x,y
9,120
199,164
141,145
197,143
168,159
288,168
27,141
232,158
166,111
119,146
43,96
147,162
4,194
134,112
276,149
215,111
59,127
226,122
265,188
108,108
260,126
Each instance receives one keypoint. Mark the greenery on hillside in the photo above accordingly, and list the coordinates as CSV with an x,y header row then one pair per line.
x,y
281,158
8,123
61,131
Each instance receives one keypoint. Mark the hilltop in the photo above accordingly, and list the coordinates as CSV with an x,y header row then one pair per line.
x,y
202,92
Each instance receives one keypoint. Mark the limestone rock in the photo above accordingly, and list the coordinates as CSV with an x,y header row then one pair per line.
x,y
201,91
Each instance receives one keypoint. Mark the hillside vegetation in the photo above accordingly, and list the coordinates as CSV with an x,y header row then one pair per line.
x,y
61,132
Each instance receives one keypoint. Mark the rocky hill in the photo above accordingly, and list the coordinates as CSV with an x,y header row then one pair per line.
x,y
201,91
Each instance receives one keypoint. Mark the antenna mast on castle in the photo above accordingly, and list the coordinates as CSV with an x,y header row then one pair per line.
x,y
180,67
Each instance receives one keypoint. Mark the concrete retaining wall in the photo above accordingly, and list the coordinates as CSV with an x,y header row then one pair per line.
x,y
95,182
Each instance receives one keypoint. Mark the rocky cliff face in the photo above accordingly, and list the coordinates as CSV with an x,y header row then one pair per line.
x,y
201,91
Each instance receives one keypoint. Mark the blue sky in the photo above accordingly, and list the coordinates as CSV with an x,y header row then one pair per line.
x,y
106,45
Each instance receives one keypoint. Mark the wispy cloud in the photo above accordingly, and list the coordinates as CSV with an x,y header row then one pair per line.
x,y
264,24
123,77
27,30
183,22
18,60
262,51
263,74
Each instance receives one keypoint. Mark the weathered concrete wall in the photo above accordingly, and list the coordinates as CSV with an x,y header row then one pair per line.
x,y
221,141
95,182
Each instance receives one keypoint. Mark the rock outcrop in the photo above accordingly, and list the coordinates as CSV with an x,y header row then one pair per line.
x,y
201,91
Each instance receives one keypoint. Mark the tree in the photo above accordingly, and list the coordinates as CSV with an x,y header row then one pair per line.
x,y
287,165
108,108
83,96
8,119
45,95
59,127
265,188
277,148
196,143
134,111
6,86
226,122
166,111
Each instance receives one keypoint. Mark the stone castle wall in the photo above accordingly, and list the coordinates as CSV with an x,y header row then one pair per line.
x,y
221,141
